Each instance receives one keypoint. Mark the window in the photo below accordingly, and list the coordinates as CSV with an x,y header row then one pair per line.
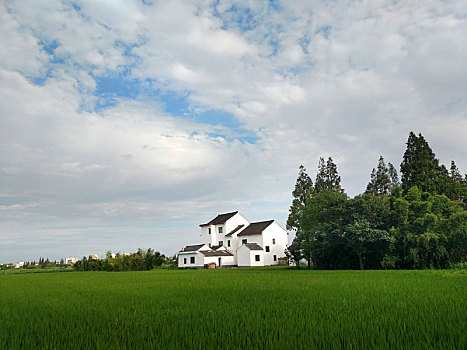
x,y
228,243
209,230
267,249
192,260
221,243
220,229
275,257
244,241
184,261
256,257
273,241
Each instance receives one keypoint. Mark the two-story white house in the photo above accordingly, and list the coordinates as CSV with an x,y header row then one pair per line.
x,y
231,240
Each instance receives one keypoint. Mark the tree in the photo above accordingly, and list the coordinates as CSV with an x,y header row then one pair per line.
x,y
420,167
302,193
334,178
320,181
322,225
393,176
294,253
360,236
455,174
327,178
306,239
455,185
383,179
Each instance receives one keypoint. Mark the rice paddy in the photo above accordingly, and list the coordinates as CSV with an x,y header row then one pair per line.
x,y
234,309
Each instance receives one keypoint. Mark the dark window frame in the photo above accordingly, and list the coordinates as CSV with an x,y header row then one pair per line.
x,y
257,257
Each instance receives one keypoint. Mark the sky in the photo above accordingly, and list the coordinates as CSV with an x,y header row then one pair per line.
x,y
126,124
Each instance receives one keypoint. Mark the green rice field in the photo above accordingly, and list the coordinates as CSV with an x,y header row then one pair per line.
x,y
234,309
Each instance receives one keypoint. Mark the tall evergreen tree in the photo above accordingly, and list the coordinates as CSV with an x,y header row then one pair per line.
x,y
320,181
327,178
334,179
455,174
383,179
393,176
419,166
455,185
302,193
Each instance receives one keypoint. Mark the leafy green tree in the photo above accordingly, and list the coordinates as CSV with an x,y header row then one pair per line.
x,y
323,222
294,253
302,193
360,237
306,240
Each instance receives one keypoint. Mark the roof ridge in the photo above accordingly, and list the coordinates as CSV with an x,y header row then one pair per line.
x,y
220,219
256,228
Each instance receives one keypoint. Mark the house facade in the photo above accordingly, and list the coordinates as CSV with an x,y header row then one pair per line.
x,y
231,240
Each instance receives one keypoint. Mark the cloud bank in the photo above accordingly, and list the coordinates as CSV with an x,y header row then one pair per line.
x,y
124,124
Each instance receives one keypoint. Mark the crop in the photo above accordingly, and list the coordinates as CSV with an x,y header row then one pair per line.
x,y
234,309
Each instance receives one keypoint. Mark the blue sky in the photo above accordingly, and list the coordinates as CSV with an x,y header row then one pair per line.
x,y
125,124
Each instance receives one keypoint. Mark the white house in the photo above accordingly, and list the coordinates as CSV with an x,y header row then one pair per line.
x,y
231,240
70,261
19,264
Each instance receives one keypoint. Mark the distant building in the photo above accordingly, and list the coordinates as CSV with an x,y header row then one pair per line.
x,y
93,257
70,261
19,264
231,240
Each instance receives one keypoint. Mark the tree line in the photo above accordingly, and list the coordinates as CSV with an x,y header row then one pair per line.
x,y
142,260
418,222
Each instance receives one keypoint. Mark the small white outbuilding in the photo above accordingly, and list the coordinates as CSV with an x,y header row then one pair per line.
x,y
250,254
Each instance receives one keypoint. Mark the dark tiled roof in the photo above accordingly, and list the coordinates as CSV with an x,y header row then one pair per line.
x,y
234,230
255,228
216,253
220,219
192,248
215,247
253,246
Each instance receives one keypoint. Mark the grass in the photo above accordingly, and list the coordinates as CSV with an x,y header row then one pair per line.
x,y
234,309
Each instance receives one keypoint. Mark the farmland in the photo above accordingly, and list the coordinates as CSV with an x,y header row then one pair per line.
x,y
234,309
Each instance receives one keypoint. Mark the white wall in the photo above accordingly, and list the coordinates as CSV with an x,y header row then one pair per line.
x,y
225,260
258,239
253,261
199,259
243,256
246,257
207,238
231,224
274,231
